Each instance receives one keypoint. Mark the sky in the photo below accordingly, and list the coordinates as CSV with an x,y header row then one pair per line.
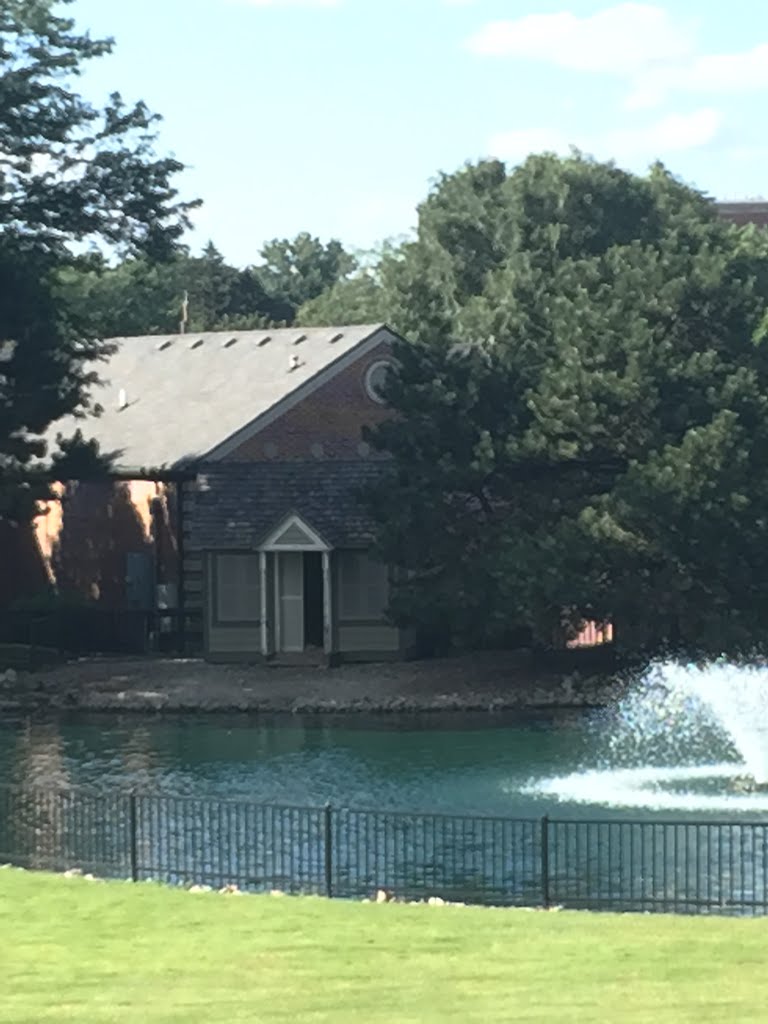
x,y
336,116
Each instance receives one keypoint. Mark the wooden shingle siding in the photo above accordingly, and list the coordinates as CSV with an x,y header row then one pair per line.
x,y
245,503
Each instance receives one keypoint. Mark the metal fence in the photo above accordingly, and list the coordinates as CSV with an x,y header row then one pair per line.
x,y
93,629
644,865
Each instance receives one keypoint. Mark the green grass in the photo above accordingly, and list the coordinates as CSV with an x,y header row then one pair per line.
x,y
73,950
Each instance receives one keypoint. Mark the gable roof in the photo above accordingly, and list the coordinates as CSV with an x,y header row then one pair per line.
x,y
169,400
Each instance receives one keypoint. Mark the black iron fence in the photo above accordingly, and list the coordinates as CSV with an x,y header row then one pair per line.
x,y
718,867
93,629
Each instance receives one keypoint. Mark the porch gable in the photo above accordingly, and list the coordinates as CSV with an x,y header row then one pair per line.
x,y
294,534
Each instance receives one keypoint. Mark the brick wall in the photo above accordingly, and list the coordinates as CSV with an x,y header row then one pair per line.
x,y
327,424
745,213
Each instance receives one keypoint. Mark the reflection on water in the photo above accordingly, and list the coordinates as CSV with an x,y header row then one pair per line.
x,y
647,755
468,764
38,756
451,764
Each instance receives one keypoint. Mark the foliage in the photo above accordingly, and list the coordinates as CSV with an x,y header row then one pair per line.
x,y
295,271
70,174
582,418
358,299
142,953
364,296
141,296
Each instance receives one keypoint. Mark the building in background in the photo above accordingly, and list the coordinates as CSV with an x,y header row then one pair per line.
x,y
235,505
241,467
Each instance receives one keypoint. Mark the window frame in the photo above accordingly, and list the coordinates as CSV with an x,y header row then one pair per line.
x,y
216,565
361,611
370,390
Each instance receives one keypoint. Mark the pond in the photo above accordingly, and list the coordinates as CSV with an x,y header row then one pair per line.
x,y
487,808
454,764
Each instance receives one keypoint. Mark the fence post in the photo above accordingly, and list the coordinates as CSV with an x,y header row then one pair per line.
x,y
133,835
328,849
545,893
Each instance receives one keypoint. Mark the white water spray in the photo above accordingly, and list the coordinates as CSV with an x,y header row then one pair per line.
x,y
684,739
737,700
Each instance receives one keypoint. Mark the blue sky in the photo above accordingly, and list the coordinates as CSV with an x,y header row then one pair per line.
x,y
333,116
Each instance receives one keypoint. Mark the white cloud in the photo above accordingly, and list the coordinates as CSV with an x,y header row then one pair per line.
x,y
624,39
713,73
644,44
671,134
674,133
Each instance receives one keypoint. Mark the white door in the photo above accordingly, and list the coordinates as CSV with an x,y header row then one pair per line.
x,y
290,575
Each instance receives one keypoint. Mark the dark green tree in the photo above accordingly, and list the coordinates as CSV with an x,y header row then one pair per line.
x,y
142,296
359,299
582,416
70,173
364,296
295,271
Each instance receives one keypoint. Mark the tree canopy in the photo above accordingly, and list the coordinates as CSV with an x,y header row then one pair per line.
x,y
143,296
582,410
295,271
360,297
71,174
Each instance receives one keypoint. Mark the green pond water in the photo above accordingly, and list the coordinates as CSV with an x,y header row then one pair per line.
x,y
478,764
452,805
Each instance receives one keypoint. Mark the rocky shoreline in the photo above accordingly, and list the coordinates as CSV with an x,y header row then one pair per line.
x,y
482,683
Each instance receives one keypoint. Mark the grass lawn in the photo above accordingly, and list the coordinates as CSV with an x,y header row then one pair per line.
x,y
73,950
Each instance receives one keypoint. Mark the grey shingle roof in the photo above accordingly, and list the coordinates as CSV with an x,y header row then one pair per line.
x,y
236,505
183,395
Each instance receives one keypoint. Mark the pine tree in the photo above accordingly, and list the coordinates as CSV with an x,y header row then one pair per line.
x,y
582,419
70,173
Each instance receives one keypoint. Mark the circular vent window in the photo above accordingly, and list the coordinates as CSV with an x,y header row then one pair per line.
x,y
376,378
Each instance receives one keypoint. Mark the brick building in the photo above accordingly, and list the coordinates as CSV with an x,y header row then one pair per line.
x,y
261,435
252,440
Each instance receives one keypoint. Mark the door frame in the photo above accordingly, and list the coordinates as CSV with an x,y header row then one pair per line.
x,y
295,536
279,609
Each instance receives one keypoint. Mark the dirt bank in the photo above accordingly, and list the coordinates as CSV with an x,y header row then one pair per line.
x,y
479,682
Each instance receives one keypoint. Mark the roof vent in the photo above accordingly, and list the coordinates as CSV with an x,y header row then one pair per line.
x,y
263,341
197,343
122,399
230,342
298,340
163,345
336,337
293,363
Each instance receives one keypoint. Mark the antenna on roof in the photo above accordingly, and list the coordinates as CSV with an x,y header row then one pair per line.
x,y
184,314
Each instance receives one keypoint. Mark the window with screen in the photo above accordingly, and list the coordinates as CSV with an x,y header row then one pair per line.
x,y
363,586
238,588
